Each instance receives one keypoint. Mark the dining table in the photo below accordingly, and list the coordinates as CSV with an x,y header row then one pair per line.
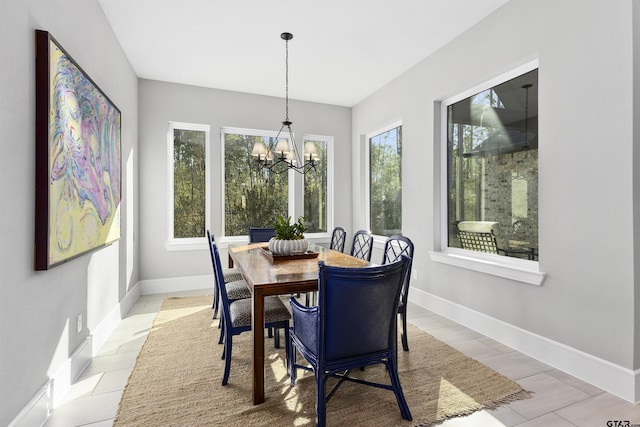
x,y
267,274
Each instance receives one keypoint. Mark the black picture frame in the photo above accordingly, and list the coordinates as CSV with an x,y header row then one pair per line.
x,y
78,159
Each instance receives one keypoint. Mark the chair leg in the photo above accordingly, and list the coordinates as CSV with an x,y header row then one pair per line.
x,y
321,401
291,360
221,341
286,345
397,389
276,337
227,360
405,340
221,325
270,332
216,301
310,298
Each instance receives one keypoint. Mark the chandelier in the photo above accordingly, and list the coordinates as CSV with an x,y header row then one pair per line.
x,y
282,154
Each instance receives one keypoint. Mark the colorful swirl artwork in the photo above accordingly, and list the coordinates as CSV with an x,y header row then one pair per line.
x,y
84,162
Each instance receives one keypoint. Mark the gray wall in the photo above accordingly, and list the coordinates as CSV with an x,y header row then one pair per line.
x,y
38,309
586,170
587,195
162,102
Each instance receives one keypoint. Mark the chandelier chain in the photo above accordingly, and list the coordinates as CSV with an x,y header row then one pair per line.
x,y
286,80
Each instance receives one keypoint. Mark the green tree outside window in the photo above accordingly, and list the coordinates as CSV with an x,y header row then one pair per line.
x,y
189,183
385,182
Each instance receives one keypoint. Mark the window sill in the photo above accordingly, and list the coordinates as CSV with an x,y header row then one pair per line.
x,y
186,245
527,272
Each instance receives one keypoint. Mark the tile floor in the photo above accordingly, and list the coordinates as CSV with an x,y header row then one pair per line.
x,y
559,400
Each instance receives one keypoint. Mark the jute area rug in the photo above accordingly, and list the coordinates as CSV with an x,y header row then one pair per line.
x,y
177,381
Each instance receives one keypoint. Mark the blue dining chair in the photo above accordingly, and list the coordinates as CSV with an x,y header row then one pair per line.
x,y
394,248
353,326
362,246
237,316
338,238
261,234
236,286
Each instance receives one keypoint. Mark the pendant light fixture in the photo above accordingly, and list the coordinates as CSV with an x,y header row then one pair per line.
x,y
282,154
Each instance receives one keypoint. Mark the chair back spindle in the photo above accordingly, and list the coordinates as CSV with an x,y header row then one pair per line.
x,y
338,238
362,246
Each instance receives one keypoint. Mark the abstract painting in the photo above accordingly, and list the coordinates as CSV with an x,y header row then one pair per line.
x,y
78,161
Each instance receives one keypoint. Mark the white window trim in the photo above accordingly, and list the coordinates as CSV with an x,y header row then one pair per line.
x,y
195,243
502,266
330,218
367,174
291,174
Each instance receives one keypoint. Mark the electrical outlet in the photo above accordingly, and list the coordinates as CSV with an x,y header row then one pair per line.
x,y
79,323
414,274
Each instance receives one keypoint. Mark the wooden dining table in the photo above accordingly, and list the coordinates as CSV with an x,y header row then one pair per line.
x,y
266,275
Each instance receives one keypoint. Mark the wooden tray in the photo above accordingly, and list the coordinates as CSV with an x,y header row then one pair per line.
x,y
279,258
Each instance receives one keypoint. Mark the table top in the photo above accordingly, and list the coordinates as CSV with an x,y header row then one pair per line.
x,y
259,270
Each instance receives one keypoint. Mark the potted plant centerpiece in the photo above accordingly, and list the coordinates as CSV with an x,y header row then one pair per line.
x,y
289,238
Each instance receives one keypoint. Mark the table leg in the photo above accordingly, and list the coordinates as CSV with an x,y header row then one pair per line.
x,y
257,328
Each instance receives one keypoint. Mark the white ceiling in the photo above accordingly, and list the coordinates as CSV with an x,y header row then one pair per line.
x,y
342,50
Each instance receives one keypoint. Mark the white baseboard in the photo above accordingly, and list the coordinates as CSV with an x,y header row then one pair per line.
x,y
78,361
37,410
101,333
176,284
51,394
615,379
129,300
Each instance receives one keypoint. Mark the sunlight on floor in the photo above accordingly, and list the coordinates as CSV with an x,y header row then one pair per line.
x,y
82,387
278,367
176,313
301,421
451,395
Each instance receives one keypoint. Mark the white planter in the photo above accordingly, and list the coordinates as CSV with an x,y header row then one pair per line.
x,y
288,247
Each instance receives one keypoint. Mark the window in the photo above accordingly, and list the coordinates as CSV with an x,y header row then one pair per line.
x,y
316,200
385,181
492,168
254,198
188,154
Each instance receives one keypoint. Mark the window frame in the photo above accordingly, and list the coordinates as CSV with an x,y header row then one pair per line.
x,y
330,217
503,266
191,243
378,239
